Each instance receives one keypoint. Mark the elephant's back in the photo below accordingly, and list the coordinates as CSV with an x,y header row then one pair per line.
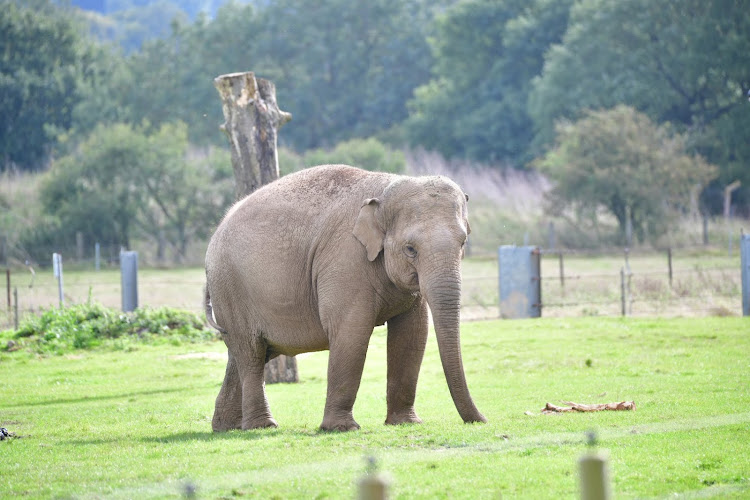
x,y
309,199
285,222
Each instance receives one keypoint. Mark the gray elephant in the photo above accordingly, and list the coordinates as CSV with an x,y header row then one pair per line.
x,y
317,259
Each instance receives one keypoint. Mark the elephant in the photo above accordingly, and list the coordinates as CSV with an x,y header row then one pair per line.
x,y
318,258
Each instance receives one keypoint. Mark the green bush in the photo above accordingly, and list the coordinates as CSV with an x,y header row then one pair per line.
x,y
90,325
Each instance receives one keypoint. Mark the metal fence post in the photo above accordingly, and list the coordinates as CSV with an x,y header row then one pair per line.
x,y
79,246
745,262
519,282
97,256
57,267
129,280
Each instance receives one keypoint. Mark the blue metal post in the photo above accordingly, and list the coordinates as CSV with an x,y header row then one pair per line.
x,y
519,282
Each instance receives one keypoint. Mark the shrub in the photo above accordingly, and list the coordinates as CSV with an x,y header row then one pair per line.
x,y
86,326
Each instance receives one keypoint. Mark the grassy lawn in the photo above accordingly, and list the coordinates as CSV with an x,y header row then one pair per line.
x,y
136,423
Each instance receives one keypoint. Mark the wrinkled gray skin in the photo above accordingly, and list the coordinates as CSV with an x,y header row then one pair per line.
x,y
317,259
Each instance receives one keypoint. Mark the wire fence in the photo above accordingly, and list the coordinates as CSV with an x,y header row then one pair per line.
x,y
668,283
673,283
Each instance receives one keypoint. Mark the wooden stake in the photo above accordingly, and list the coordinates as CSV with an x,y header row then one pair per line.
x,y
594,477
669,263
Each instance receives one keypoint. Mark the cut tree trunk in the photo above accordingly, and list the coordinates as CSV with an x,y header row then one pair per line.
x,y
252,122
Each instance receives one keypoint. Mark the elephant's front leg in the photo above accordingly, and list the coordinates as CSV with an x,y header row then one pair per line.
x,y
407,336
346,361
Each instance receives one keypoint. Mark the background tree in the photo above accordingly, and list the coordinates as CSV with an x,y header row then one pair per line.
x,y
184,192
93,190
620,160
123,182
343,69
486,53
686,62
349,68
41,56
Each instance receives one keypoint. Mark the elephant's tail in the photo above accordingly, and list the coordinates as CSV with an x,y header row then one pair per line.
x,y
210,312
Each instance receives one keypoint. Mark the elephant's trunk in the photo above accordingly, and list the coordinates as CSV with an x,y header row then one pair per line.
x,y
442,289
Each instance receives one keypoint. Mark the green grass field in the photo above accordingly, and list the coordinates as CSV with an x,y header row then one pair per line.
x,y
135,423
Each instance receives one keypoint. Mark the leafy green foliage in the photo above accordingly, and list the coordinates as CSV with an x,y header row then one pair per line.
x,y
343,69
85,326
681,62
619,159
122,180
41,68
369,154
486,53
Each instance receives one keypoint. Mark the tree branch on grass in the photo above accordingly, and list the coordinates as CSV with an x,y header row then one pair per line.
x,y
576,407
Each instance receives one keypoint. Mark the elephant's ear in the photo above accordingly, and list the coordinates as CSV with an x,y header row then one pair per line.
x,y
367,230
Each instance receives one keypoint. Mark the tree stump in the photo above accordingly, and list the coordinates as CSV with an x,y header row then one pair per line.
x,y
252,121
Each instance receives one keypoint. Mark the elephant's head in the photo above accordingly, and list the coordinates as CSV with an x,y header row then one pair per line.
x,y
421,226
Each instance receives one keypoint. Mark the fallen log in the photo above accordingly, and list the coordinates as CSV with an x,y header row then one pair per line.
x,y
576,407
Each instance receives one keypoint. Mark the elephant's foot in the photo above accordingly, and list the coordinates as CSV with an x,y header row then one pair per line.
x,y
339,425
259,423
403,417
226,419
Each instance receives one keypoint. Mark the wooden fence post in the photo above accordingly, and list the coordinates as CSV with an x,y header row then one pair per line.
x,y
3,250
745,272
374,485
705,229
669,264
15,308
594,477
252,120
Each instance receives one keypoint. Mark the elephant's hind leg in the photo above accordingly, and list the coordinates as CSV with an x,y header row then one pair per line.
x,y
407,336
228,409
256,413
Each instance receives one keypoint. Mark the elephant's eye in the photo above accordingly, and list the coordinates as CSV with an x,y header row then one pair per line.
x,y
410,251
